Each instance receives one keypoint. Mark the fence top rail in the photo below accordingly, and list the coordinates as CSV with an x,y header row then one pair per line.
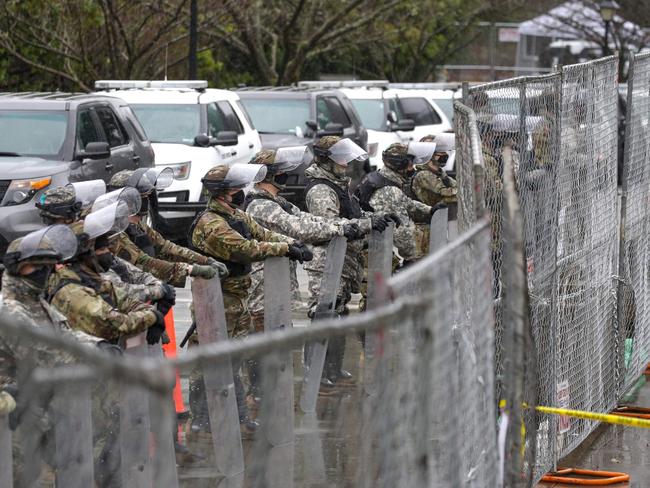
x,y
520,80
641,56
593,62
473,132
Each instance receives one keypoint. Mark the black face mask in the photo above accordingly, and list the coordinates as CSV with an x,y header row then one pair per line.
x,y
281,180
238,198
144,208
105,261
442,160
39,277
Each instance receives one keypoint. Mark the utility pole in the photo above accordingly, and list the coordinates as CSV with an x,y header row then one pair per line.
x,y
194,14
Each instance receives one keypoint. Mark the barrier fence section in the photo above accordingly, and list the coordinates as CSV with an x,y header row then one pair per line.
x,y
422,412
634,267
562,129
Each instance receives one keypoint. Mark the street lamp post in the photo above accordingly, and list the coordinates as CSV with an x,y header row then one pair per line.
x,y
608,9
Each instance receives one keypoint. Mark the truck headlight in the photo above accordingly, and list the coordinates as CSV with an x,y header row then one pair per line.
x,y
181,170
22,191
372,149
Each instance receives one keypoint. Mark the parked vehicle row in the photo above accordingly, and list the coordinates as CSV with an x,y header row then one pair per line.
x,y
50,139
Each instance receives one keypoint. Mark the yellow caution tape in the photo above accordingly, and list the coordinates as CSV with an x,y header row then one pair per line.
x,y
600,417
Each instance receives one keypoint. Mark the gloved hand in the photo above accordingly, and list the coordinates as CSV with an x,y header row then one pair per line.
x,y
295,252
7,403
222,269
351,232
438,206
394,217
155,332
170,294
203,271
112,349
378,222
307,255
446,180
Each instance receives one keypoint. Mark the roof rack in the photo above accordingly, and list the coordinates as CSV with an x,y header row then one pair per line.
x,y
427,86
344,84
199,85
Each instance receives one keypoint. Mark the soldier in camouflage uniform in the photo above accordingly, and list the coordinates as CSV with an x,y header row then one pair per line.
x,y
146,248
273,212
382,191
327,196
225,232
431,184
29,261
92,304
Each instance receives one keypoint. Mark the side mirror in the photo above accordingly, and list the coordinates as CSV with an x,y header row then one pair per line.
x,y
331,129
95,150
404,124
391,117
225,138
312,125
202,140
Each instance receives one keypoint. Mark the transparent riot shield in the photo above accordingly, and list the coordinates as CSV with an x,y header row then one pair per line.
x,y
6,457
219,380
439,230
326,307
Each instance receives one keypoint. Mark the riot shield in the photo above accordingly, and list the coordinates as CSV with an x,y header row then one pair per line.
x,y
135,424
274,445
218,378
438,236
6,458
326,308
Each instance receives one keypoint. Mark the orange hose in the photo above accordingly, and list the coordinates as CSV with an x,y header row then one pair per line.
x,y
602,478
170,352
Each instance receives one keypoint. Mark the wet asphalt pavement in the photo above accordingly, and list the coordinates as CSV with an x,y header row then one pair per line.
x,y
326,451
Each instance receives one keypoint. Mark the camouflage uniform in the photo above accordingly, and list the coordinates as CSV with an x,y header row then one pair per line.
x,y
430,188
138,284
278,215
174,273
214,236
95,306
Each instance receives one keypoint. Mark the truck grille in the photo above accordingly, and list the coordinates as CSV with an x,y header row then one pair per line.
x,y
4,185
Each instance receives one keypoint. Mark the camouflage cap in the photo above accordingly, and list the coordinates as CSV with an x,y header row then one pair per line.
x,y
396,149
120,179
265,156
429,138
58,203
326,142
218,173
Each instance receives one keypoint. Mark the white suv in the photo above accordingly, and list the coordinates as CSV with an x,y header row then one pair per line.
x,y
418,106
192,128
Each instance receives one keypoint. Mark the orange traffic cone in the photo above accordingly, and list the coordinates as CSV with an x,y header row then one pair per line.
x,y
170,352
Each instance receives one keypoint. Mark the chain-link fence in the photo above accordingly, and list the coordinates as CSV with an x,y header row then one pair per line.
x,y
422,412
633,303
563,134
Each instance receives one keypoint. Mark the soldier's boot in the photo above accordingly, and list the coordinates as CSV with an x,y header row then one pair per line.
x,y
198,404
247,424
336,372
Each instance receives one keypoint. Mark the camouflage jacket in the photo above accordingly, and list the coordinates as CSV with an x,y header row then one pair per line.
x,y
392,199
429,188
214,237
169,251
23,301
322,201
169,272
104,310
278,215
139,284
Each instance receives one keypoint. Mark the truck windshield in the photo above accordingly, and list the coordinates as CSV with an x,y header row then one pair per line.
x,y
170,123
32,133
371,112
280,116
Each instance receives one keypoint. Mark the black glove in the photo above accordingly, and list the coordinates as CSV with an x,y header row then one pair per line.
x,y
307,255
168,300
112,349
295,252
351,232
446,180
437,207
155,332
378,222
394,217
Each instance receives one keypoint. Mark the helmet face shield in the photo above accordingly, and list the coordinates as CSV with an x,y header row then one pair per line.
x,y
109,220
421,152
289,158
239,175
86,192
55,241
128,195
446,142
345,152
160,177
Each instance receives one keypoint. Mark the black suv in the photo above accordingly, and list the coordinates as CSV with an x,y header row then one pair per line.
x,y
51,139
289,116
